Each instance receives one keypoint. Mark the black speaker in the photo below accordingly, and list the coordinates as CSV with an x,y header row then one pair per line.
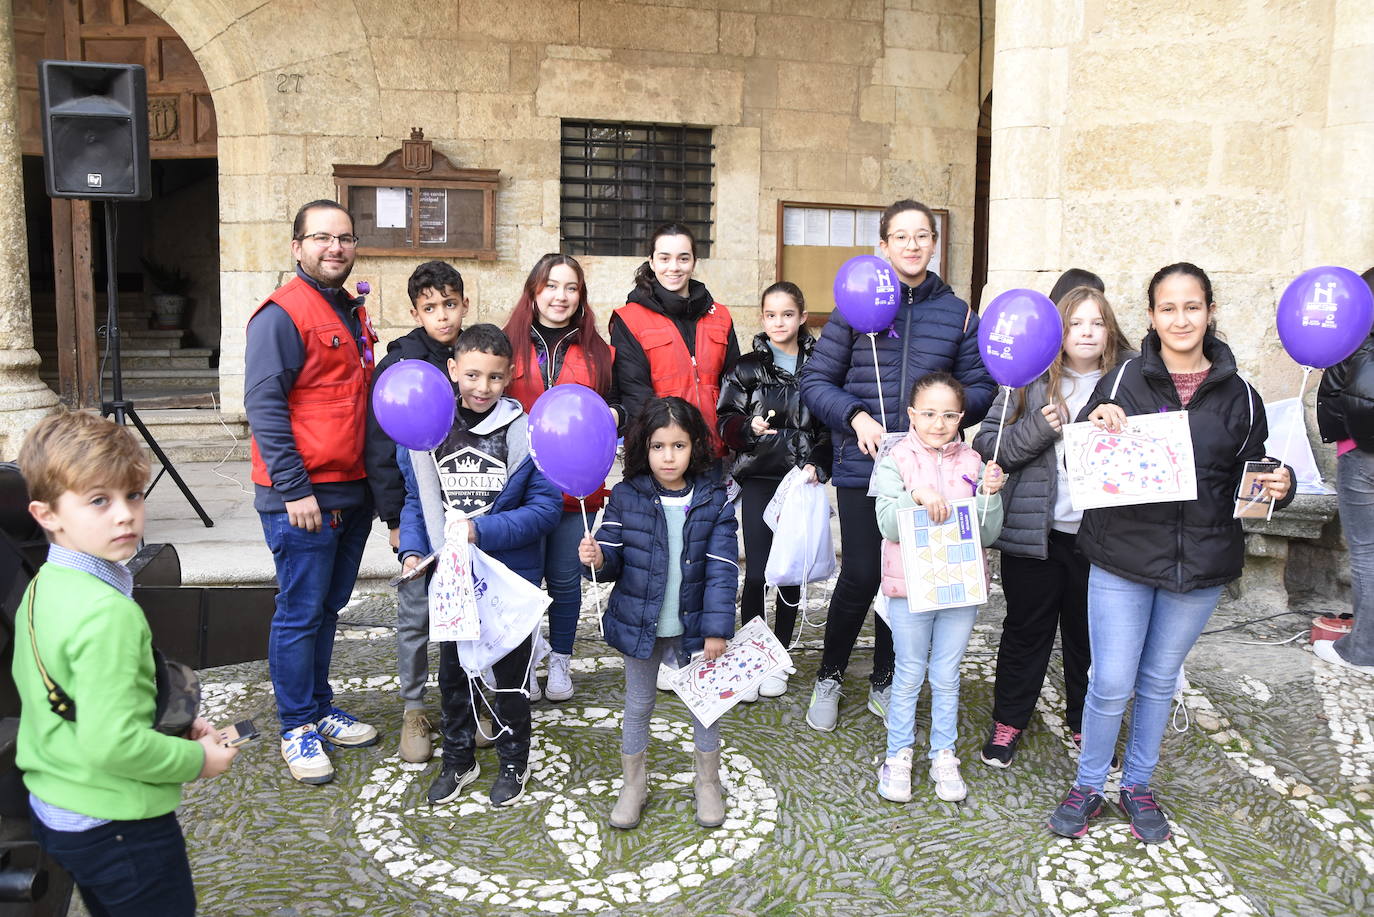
x,y
95,130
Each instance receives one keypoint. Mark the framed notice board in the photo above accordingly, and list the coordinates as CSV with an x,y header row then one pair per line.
x,y
815,239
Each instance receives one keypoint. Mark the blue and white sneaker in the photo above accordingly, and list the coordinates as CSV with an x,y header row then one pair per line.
x,y
346,730
304,755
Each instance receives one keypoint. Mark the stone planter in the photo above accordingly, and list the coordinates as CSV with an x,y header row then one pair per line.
x,y
169,311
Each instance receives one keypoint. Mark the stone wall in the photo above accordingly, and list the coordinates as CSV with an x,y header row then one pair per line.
x,y
844,101
1237,134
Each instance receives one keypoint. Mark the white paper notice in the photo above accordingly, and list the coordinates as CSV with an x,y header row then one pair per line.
x,y
842,227
391,208
866,228
1151,461
817,226
793,226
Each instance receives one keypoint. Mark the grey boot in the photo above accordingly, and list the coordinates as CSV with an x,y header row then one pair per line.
x,y
628,807
710,805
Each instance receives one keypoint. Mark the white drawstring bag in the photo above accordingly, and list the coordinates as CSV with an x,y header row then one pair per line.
x,y
802,550
509,608
452,602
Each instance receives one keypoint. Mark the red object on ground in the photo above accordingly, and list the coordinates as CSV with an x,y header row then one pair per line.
x,y
1331,627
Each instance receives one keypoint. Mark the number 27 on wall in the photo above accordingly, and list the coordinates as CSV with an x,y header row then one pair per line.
x,y
289,82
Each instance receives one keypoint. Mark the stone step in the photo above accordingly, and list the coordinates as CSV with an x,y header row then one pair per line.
x,y
145,377
197,434
191,358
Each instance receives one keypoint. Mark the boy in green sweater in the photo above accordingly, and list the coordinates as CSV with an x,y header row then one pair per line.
x,y
103,788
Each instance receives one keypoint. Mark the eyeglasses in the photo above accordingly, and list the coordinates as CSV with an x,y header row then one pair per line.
x,y
326,239
922,239
946,416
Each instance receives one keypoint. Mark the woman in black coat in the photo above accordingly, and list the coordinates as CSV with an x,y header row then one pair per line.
x,y
1158,568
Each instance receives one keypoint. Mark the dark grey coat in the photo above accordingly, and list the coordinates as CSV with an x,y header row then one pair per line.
x,y
1027,456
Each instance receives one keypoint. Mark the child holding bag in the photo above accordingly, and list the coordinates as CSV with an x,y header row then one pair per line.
x,y
667,539
763,420
929,467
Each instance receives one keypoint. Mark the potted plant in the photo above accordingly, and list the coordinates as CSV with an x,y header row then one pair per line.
x,y
169,302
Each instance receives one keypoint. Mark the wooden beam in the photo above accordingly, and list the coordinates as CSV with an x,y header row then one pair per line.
x,y
64,301
87,358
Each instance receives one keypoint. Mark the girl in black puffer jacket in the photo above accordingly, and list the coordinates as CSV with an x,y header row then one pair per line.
x,y
1158,568
762,418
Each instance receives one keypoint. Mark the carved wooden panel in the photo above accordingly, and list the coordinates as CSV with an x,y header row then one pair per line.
x,y
181,115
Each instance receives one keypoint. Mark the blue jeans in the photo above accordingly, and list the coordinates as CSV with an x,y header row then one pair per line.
x,y
1140,636
926,643
563,576
1355,486
316,572
126,868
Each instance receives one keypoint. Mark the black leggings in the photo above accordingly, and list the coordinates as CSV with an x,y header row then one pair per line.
x,y
861,547
758,541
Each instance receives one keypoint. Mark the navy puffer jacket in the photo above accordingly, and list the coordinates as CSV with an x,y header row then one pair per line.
x,y
935,331
634,544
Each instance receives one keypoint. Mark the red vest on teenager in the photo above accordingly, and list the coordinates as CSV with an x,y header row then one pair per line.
x,y
528,387
672,367
328,402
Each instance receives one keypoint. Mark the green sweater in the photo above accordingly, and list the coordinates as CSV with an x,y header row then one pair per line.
x,y
95,643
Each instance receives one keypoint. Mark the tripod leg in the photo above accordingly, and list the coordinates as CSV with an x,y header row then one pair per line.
x,y
168,466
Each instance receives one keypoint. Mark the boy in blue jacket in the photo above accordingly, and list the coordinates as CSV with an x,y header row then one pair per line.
x,y
484,470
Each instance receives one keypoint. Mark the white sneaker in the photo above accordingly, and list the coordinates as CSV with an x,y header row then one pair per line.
x,y
665,674
1325,650
346,730
773,686
536,693
944,770
894,777
305,756
559,685
750,696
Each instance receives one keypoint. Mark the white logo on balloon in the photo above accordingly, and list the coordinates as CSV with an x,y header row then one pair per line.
x,y
387,832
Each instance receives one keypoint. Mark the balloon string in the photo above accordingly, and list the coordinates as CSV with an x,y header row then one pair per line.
x,y
596,588
878,378
1288,435
996,447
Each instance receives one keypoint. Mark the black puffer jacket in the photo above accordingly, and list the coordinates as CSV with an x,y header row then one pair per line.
x,y
1192,544
756,386
1345,399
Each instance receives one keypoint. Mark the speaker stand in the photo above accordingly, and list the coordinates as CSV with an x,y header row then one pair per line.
x,y
122,409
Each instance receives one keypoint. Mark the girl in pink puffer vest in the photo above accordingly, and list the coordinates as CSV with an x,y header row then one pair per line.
x,y
929,468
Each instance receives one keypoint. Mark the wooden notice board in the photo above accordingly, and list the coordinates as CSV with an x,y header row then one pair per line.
x,y
815,239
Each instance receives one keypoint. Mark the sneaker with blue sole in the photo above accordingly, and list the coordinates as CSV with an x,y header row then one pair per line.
x,y
345,730
304,754
1148,822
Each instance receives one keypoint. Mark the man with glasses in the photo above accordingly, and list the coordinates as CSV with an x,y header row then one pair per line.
x,y
307,372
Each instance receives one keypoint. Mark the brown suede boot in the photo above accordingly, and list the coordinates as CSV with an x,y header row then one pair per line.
x,y
710,805
635,791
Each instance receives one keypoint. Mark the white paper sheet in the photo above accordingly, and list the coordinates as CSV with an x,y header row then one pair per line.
x,y
866,227
943,563
817,226
793,226
391,208
1151,461
711,688
842,228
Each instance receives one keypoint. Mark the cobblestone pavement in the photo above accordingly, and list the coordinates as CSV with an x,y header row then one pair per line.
x,y
1269,785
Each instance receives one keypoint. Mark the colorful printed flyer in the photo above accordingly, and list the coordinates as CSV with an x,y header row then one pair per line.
x,y
1151,461
943,563
711,688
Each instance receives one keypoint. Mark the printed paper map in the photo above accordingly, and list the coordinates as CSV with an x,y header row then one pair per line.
x,y
943,563
711,688
1151,461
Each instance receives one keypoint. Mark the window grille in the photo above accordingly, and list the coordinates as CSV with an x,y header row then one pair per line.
x,y
620,180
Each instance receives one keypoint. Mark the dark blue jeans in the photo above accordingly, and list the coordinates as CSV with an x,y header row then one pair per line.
x,y
126,868
316,572
563,576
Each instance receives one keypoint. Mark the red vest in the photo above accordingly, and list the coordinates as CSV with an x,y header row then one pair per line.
x,y
328,401
673,369
528,387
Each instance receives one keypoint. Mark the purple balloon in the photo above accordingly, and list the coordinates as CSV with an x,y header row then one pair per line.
x,y
866,293
414,403
1324,316
1019,335
572,438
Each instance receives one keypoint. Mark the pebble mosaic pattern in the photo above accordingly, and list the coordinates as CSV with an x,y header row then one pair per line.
x,y
1269,790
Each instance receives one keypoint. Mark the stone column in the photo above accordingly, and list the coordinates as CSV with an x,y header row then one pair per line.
x,y
24,399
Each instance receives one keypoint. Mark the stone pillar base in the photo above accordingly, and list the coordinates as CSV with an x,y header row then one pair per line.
x,y
24,400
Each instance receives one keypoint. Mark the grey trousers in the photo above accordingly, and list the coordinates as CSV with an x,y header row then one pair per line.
x,y
1355,486
412,640
641,690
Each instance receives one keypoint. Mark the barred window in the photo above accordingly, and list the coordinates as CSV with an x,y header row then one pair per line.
x,y
620,180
